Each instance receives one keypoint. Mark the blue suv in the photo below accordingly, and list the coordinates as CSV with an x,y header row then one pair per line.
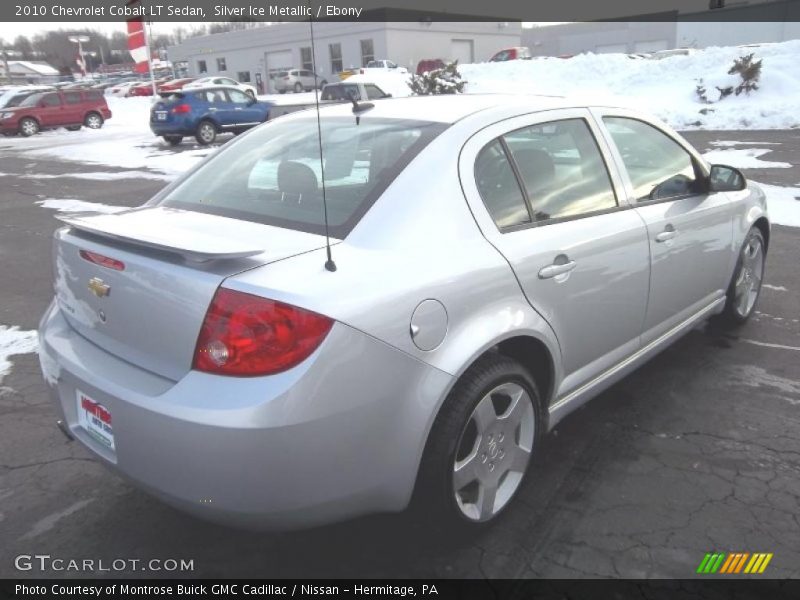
x,y
204,113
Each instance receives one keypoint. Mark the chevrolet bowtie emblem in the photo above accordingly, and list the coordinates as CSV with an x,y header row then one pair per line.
x,y
98,287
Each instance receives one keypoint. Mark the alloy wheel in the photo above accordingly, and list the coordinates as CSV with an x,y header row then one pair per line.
x,y
29,127
207,133
493,452
751,272
94,122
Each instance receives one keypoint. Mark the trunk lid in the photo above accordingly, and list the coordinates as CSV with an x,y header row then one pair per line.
x,y
147,303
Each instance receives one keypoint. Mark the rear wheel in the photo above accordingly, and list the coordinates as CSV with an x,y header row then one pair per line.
x,y
93,121
480,446
28,127
173,140
745,287
298,87
74,128
206,133
252,94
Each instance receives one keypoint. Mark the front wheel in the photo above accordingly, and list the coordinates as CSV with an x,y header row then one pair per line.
x,y
93,121
206,133
28,127
745,287
480,446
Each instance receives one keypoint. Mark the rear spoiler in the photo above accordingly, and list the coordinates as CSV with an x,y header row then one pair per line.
x,y
152,227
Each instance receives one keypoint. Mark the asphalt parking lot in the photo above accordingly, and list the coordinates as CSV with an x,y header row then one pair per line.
x,y
697,451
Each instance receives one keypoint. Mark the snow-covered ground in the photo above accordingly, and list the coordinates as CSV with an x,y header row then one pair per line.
x,y
14,341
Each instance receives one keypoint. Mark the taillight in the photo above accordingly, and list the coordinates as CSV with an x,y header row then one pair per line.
x,y
248,335
103,261
182,109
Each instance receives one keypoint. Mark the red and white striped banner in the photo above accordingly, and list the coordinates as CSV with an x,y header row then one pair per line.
x,y
137,42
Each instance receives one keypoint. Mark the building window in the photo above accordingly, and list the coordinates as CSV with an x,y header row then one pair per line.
x,y
336,57
201,66
367,52
306,60
243,76
221,66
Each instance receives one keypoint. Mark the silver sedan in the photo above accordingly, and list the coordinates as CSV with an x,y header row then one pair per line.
x,y
494,263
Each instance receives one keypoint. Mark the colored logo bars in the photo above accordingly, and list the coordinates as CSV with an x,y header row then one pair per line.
x,y
734,563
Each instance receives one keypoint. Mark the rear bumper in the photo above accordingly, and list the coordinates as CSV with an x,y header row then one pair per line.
x,y
339,436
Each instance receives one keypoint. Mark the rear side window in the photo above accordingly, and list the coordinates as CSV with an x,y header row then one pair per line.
x,y
94,96
72,97
51,100
273,174
212,96
561,169
499,188
658,167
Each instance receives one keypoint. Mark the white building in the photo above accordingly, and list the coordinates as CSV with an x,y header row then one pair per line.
x,y
30,71
250,55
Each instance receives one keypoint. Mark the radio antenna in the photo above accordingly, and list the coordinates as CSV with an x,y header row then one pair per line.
x,y
329,264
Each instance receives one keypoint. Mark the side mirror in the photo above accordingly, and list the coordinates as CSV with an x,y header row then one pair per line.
x,y
726,179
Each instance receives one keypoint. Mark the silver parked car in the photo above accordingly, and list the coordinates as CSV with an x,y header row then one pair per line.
x,y
298,80
496,262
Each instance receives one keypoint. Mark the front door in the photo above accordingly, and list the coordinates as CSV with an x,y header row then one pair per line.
x,y
543,195
244,112
689,229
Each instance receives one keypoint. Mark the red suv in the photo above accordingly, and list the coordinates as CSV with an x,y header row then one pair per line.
x,y
71,109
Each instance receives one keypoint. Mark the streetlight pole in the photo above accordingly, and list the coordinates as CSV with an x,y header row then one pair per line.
x,y
80,40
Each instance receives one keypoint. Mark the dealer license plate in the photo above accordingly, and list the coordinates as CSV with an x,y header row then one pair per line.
x,y
95,420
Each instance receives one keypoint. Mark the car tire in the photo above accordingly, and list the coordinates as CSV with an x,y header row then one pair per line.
x,y
251,93
745,287
281,91
490,421
173,140
28,127
206,133
298,87
93,120
74,127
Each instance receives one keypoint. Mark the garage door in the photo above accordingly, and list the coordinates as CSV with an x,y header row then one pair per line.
x,y
651,46
276,62
463,51
611,48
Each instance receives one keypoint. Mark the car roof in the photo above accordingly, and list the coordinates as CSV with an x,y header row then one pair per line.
x,y
449,108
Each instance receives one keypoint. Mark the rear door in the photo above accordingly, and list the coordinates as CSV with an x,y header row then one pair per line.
x,y
73,108
690,230
543,194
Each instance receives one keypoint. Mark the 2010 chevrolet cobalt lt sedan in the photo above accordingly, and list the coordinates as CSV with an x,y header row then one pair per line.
x,y
494,263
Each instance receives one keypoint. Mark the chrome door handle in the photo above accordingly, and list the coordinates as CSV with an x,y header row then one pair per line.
x,y
666,235
555,270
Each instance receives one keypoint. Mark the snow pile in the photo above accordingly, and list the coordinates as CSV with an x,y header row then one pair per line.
x,y
744,158
14,341
663,87
70,205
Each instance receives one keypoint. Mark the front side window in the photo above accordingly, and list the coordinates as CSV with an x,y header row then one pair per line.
x,y
658,167
221,65
238,97
202,67
367,52
499,188
273,174
562,169
336,57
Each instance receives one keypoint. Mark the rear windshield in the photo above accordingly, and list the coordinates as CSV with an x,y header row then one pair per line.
x,y
340,91
273,174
